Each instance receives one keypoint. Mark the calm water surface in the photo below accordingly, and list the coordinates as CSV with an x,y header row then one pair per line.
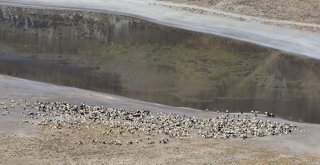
x,y
139,59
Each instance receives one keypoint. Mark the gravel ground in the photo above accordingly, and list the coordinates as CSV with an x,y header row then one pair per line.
x,y
29,144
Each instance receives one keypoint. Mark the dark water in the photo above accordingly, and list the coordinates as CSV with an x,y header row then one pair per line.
x,y
142,60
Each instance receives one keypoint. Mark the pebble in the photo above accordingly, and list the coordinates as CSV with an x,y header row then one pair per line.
x,y
5,113
115,120
164,140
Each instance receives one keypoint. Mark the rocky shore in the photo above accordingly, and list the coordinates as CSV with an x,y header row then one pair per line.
x,y
35,128
58,115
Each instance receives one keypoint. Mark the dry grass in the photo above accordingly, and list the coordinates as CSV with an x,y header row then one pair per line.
x,y
295,10
50,147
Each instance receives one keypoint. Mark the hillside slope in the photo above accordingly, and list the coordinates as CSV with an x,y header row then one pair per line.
x,y
294,10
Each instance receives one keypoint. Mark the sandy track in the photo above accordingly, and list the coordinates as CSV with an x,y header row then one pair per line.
x,y
245,28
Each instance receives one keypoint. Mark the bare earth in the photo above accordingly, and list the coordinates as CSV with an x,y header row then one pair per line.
x,y
294,10
29,144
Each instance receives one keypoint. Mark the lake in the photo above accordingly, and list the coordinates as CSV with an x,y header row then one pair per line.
x,y
143,60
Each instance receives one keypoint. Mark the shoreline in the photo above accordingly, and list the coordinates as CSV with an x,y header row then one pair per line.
x,y
284,39
303,145
18,88
15,85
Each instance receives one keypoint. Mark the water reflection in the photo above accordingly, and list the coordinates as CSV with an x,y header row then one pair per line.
x,y
53,72
139,59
